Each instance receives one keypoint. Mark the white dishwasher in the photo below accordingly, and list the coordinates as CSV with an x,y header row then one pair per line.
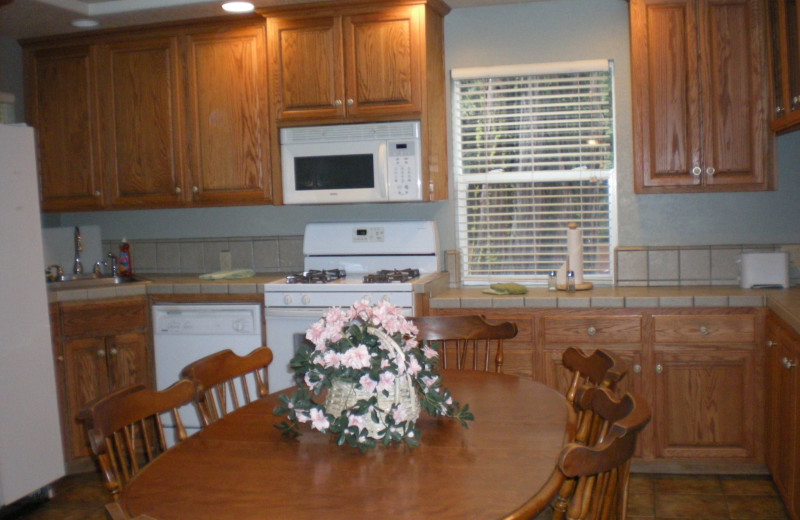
x,y
183,333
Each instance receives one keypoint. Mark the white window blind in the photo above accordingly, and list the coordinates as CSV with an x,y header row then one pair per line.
x,y
534,151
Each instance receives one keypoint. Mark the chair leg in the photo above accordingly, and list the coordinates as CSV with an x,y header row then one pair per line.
x,y
562,498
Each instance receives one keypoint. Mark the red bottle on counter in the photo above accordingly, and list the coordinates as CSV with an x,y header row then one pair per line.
x,y
125,263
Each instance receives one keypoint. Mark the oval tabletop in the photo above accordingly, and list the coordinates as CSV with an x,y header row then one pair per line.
x,y
241,467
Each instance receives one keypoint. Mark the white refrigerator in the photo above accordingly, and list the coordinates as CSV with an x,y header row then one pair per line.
x,y
31,455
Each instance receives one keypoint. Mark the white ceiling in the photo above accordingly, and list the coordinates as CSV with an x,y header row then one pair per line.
x,y
33,18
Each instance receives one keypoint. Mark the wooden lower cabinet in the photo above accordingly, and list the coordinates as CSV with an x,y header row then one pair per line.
x,y
101,346
782,417
704,402
698,369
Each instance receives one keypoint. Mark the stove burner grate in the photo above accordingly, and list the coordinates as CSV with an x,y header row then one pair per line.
x,y
391,275
316,276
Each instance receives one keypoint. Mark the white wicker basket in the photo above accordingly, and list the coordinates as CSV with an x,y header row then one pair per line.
x,y
343,394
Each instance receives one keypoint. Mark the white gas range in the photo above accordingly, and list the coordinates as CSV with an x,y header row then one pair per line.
x,y
345,262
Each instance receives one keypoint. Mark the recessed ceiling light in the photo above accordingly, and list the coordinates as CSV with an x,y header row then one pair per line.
x,y
84,23
238,7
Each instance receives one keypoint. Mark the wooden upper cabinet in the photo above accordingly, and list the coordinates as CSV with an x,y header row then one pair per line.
x,y
306,67
784,20
141,121
62,106
155,117
357,65
228,140
700,96
383,62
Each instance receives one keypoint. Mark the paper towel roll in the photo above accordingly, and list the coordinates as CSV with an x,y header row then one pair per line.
x,y
575,251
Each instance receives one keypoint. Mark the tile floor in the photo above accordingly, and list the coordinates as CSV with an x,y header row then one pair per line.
x,y
652,497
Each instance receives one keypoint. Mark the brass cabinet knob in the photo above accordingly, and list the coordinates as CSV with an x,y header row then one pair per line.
x,y
703,330
771,343
177,190
337,103
97,194
696,171
637,368
659,368
350,102
710,171
591,330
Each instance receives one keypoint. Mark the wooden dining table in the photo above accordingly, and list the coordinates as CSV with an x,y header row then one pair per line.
x,y
241,467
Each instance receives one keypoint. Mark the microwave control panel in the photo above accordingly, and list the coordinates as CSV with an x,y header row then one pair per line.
x,y
404,170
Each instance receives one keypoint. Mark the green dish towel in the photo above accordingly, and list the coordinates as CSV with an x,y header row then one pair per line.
x,y
506,288
232,274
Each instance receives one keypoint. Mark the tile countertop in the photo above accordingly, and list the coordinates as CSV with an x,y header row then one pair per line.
x,y
784,302
192,284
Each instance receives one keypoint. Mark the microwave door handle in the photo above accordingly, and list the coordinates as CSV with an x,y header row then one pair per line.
x,y
383,165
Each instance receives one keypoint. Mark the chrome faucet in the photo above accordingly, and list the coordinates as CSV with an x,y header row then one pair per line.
x,y
77,268
114,264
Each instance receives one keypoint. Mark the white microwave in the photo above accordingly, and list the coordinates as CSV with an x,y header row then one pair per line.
x,y
373,162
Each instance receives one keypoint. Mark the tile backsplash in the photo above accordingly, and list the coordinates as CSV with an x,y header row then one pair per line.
x,y
202,255
690,265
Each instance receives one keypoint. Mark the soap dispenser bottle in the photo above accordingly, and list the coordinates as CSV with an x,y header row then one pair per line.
x,y
125,263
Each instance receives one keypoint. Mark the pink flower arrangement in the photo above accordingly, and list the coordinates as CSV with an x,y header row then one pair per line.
x,y
346,346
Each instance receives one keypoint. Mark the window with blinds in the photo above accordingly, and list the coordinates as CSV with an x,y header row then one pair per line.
x,y
534,151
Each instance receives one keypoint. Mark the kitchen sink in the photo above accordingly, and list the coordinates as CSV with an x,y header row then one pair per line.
x,y
90,281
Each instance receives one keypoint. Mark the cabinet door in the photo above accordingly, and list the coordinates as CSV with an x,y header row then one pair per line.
x,y
127,360
85,379
62,106
700,96
227,107
704,402
666,94
783,385
306,68
142,122
383,62
735,78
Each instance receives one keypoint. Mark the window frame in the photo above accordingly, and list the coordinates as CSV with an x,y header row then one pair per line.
x,y
533,176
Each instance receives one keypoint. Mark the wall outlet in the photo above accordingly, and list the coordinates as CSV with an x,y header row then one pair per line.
x,y
224,260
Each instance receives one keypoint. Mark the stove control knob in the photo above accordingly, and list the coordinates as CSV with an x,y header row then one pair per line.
x,y
306,299
287,299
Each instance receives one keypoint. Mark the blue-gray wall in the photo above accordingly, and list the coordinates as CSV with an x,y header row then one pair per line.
x,y
524,33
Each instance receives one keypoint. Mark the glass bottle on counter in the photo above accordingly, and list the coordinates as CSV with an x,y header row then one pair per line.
x,y
551,281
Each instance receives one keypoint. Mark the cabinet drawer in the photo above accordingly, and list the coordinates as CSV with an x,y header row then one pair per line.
x,y
592,329
107,318
732,328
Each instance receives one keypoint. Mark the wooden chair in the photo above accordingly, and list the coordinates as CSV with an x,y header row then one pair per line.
x,y
462,335
216,376
601,472
600,369
126,431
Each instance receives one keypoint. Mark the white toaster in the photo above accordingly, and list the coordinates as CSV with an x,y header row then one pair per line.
x,y
760,270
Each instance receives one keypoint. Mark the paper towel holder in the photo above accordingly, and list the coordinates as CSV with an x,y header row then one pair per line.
x,y
574,251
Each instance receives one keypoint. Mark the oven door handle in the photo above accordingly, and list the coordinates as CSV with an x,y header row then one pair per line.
x,y
308,312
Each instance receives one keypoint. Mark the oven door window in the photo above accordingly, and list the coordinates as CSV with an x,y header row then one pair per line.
x,y
334,172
